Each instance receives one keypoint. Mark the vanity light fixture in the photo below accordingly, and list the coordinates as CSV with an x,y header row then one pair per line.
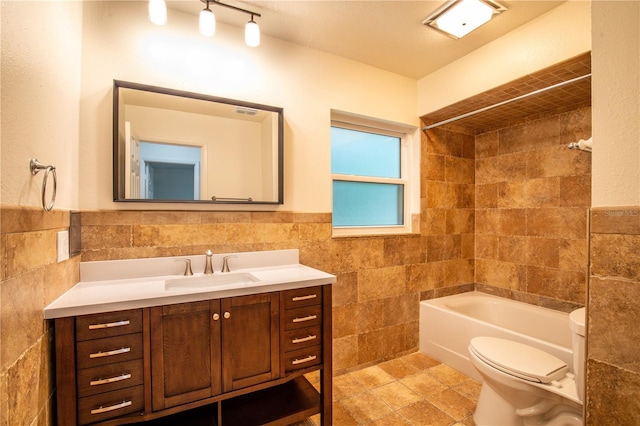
x,y
158,12
457,18
207,21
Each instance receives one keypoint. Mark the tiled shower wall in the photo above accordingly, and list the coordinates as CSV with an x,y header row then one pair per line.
x,y
526,214
30,279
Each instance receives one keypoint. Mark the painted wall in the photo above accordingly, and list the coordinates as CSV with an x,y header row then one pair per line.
x,y
560,34
120,43
40,92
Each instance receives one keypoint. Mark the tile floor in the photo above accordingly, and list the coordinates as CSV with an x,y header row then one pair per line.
x,y
411,390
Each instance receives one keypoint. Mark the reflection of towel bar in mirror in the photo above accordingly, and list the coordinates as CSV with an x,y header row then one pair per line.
x,y
225,199
175,146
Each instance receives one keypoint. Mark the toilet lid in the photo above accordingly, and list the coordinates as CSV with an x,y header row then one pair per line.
x,y
517,359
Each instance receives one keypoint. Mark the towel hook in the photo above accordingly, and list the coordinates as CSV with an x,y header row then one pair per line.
x,y
35,166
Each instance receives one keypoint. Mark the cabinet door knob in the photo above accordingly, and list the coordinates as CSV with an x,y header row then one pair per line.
x,y
227,315
216,317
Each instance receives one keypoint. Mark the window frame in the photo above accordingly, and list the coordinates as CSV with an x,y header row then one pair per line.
x,y
406,135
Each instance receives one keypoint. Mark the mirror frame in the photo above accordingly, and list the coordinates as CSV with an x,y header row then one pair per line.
x,y
118,169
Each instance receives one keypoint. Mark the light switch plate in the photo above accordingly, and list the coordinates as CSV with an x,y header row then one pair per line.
x,y
62,242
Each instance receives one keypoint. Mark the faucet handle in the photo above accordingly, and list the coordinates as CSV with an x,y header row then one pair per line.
x,y
225,262
208,267
187,266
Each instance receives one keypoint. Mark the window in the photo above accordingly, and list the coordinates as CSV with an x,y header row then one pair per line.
x,y
370,173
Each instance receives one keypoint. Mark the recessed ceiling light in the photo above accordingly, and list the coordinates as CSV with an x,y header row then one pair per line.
x,y
457,18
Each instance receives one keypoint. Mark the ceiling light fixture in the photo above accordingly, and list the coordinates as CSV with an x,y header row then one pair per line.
x,y
158,15
457,18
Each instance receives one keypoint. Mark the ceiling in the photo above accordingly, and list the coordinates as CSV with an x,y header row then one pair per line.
x,y
384,34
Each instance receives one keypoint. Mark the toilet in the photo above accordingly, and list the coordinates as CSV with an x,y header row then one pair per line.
x,y
524,386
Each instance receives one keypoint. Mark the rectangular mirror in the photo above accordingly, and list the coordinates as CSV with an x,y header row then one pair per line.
x,y
175,146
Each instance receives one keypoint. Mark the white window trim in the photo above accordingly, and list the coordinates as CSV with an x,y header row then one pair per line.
x,y
410,171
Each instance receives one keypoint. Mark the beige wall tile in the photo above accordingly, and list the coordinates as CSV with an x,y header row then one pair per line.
x,y
612,395
381,283
616,255
613,301
21,317
28,250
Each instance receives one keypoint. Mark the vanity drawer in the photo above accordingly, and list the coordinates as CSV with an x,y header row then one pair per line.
x,y
108,324
303,358
106,378
304,317
302,338
92,353
302,297
110,404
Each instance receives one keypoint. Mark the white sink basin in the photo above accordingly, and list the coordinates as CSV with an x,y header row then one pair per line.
x,y
206,281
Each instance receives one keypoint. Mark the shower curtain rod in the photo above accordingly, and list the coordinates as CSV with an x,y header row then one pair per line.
x,y
517,98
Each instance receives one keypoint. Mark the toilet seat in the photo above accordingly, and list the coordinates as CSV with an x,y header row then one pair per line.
x,y
519,360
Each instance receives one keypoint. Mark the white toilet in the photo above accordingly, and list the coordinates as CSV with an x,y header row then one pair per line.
x,y
523,385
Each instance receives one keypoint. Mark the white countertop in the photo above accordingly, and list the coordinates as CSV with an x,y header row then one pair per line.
x,y
92,295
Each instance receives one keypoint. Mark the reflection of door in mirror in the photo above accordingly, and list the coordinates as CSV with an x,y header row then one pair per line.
x,y
169,171
132,159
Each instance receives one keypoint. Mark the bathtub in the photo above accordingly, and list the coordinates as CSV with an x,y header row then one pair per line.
x,y
447,324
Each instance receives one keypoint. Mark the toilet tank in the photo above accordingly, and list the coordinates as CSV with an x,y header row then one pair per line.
x,y
577,320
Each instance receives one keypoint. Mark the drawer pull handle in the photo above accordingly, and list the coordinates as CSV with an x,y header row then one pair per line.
x,y
303,360
110,380
303,319
109,325
304,339
110,353
101,410
300,298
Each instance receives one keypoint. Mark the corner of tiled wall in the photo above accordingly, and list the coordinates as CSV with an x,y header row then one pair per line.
x,y
30,279
613,354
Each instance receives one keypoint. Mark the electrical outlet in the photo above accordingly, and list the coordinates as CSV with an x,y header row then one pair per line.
x,y
62,242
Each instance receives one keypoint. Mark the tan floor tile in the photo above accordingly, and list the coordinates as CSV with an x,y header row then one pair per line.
x,y
347,385
452,403
342,416
366,407
424,413
447,375
420,360
423,384
396,395
398,368
393,419
373,377
469,388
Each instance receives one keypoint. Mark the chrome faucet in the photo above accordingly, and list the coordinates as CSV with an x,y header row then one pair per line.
x,y
208,268
225,262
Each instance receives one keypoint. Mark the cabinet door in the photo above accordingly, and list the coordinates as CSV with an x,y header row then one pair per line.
x,y
250,340
185,354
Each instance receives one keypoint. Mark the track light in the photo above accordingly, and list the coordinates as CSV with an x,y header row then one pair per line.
x,y
158,12
207,21
252,33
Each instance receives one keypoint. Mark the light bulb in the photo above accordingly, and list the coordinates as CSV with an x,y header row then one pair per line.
x,y
252,34
207,22
158,12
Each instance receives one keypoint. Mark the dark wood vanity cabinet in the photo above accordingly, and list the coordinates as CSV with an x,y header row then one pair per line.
x,y
245,357
202,349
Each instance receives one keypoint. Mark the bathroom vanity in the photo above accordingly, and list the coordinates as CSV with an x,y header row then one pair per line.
x,y
224,349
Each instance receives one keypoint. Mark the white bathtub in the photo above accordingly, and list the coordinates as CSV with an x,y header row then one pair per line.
x,y
447,324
